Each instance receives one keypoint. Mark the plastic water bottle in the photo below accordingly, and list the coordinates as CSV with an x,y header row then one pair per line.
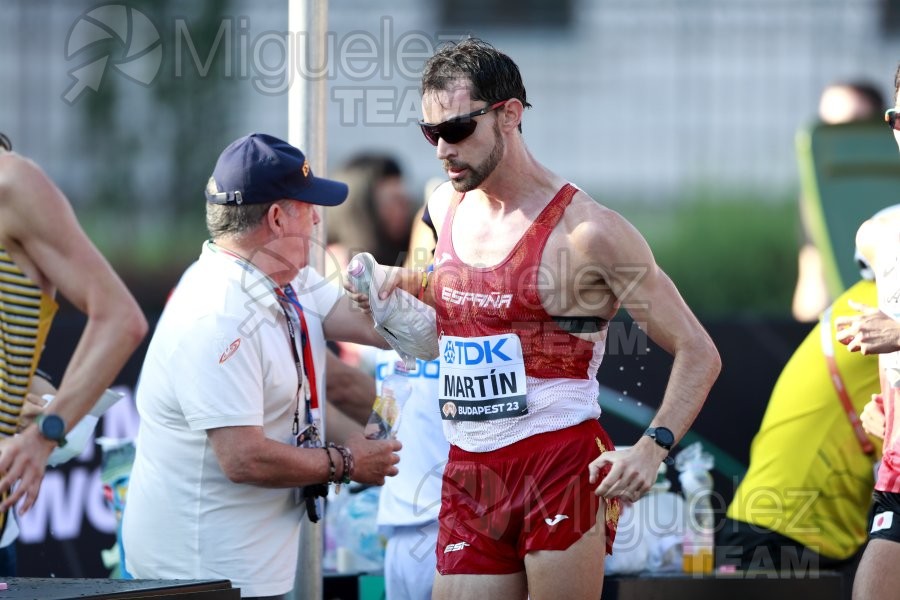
x,y
395,391
694,466
370,284
355,270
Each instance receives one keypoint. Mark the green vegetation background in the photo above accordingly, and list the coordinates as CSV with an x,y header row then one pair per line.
x,y
728,256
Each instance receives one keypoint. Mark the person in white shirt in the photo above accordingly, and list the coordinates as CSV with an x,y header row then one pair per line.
x,y
234,372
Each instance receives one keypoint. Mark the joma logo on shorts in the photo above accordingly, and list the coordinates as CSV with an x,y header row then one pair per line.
x,y
455,547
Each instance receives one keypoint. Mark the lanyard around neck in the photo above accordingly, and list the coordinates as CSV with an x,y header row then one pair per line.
x,y
306,378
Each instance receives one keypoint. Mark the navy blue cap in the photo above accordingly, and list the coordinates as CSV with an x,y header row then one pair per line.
x,y
260,168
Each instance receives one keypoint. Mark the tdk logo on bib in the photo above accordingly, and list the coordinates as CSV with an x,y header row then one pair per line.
x,y
482,378
485,351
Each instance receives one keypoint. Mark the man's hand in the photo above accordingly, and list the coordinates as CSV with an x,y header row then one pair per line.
x,y
23,458
627,474
869,332
373,459
872,417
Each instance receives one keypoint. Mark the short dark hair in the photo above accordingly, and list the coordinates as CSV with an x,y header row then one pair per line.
x,y
493,75
4,142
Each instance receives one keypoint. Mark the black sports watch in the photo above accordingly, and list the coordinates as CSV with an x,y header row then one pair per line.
x,y
52,427
662,436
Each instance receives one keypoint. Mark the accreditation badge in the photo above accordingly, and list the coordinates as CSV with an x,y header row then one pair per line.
x,y
482,378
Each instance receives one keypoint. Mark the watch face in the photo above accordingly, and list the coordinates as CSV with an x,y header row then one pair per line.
x,y
664,436
52,427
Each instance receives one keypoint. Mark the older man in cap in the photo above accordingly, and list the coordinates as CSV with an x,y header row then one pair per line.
x,y
230,451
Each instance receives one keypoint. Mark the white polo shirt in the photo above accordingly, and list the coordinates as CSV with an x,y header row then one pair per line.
x,y
219,357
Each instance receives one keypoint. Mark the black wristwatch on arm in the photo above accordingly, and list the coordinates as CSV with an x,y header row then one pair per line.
x,y
664,438
52,427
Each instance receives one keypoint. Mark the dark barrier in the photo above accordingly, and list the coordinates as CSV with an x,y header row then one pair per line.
x,y
64,533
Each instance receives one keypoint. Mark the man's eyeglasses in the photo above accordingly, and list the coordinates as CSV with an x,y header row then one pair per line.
x,y
455,130
891,118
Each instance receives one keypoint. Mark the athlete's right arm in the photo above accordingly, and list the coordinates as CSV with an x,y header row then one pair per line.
x,y
39,230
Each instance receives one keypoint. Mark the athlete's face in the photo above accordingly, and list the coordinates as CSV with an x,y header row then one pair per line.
x,y
470,161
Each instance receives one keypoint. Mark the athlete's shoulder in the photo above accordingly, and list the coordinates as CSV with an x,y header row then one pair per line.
x,y
22,180
587,217
16,168
439,203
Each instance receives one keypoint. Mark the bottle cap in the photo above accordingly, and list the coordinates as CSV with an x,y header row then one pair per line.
x,y
355,268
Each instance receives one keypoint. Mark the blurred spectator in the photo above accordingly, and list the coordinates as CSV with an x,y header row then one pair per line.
x,y
806,504
375,218
377,215
804,498
840,103
875,330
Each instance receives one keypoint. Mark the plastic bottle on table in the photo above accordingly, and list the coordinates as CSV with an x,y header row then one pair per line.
x,y
395,391
694,466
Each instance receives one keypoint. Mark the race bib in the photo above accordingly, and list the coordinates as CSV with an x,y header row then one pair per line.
x,y
482,378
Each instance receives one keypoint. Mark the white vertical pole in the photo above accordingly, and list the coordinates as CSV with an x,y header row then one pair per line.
x,y
308,25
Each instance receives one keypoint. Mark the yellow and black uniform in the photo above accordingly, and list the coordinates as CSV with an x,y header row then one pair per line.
x,y
808,479
25,317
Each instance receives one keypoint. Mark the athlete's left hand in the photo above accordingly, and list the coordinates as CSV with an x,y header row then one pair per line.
x,y
627,474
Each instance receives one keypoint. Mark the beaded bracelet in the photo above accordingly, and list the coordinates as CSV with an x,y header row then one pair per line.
x,y
346,463
347,458
331,467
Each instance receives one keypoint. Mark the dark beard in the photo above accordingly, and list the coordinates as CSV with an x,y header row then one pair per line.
x,y
476,175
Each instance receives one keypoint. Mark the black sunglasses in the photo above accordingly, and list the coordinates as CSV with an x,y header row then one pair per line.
x,y
890,117
455,130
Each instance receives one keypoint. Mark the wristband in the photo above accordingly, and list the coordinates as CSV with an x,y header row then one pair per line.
x,y
424,285
347,458
331,468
